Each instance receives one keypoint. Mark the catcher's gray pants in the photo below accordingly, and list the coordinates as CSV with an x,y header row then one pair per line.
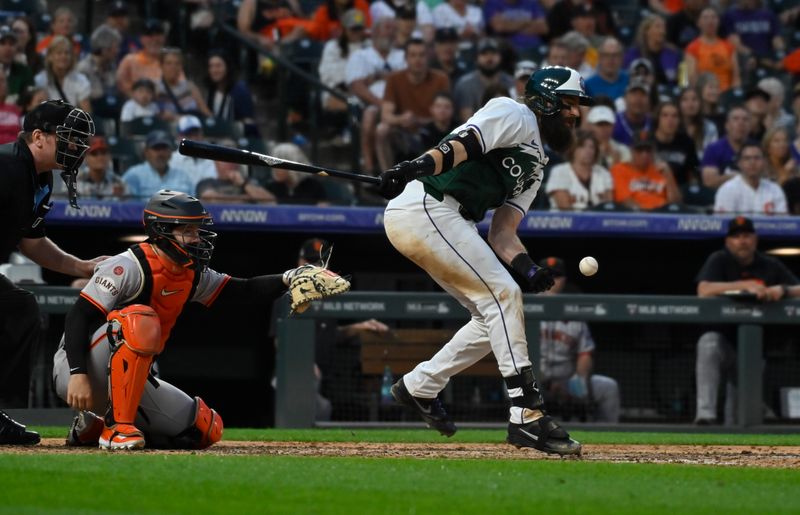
x,y
164,409
715,355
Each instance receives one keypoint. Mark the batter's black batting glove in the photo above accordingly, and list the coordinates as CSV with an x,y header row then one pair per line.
x,y
394,180
540,278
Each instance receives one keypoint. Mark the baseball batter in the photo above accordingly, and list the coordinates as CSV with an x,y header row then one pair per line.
x,y
124,316
493,161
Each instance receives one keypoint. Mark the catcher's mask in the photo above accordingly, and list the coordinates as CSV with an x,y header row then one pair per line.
x,y
167,210
546,87
73,127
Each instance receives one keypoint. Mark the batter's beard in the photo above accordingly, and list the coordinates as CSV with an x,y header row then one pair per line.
x,y
557,132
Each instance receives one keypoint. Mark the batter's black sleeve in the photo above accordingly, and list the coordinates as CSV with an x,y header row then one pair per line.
x,y
260,289
82,321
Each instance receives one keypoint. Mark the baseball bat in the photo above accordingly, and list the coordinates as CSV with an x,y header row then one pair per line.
x,y
245,157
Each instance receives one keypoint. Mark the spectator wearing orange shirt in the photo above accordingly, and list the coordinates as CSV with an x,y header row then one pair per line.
x,y
643,183
326,20
710,53
146,63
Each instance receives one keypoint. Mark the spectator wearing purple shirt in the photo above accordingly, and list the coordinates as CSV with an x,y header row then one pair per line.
x,y
636,117
756,33
651,43
719,156
520,22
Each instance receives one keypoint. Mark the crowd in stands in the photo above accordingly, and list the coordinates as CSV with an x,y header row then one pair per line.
x,y
683,88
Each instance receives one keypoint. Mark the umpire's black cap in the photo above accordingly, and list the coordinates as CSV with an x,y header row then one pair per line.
x,y
47,116
312,248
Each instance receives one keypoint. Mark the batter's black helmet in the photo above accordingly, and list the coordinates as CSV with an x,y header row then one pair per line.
x,y
168,209
546,86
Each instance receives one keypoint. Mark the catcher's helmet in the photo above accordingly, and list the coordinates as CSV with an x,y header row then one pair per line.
x,y
546,86
167,209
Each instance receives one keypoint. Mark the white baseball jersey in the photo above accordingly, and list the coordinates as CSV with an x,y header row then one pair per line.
x,y
737,196
562,177
559,344
510,170
368,64
445,16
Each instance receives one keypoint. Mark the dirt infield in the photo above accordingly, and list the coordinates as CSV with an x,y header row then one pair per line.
x,y
735,455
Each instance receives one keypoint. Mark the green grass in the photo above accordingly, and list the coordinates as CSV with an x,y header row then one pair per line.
x,y
479,436
103,482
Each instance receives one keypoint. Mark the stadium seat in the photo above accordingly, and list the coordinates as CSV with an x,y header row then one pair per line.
x,y
217,129
124,153
108,106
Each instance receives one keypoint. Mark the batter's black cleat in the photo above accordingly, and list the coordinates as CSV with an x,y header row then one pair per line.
x,y
543,434
431,410
14,433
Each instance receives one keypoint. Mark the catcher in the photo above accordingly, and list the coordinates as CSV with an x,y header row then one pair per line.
x,y
123,319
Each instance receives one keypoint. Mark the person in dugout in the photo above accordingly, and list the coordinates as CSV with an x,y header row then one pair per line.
x,y
122,320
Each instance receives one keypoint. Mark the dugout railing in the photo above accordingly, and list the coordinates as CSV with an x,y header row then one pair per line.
x,y
295,393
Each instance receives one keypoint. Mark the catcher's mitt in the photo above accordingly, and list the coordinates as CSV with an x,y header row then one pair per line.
x,y
311,282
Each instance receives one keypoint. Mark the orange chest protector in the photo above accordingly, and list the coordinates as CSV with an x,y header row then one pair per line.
x,y
167,286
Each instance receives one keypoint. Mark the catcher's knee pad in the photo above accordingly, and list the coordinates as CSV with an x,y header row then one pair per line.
x,y
531,397
137,340
205,431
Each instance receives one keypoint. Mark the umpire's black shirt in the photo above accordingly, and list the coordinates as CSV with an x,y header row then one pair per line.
x,y
24,197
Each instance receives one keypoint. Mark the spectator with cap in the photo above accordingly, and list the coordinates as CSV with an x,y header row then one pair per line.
x,y
636,116
326,19
118,18
96,179
559,17
469,89
710,53
19,75
566,363
445,54
61,78
146,63
522,72
600,121
155,174
100,66
651,43
231,184
142,103
10,115
643,182
610,79
333,63
521,23
642,70
466,18
738,267
63,24
719,156
198,169
750,192
406,106
365,75
580,183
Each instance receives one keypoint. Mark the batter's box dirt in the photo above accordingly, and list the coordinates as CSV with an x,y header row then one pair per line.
x,y
731,455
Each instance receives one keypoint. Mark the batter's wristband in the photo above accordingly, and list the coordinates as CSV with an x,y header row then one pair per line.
x,y
423,166
524,265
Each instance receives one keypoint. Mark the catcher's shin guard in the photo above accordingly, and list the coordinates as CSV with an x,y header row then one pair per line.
x,y
138,339
205,431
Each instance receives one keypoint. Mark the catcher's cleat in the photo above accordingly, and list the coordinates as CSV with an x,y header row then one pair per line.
x,y
85,430
543,434
14,433
121,436
431,410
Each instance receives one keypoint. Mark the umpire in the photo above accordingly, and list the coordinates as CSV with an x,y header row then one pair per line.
x,y
54,136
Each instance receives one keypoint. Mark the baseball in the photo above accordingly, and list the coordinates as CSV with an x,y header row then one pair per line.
x,y
588,266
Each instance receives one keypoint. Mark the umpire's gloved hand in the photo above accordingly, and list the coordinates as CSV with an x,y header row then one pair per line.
x,y
540,278
394,180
